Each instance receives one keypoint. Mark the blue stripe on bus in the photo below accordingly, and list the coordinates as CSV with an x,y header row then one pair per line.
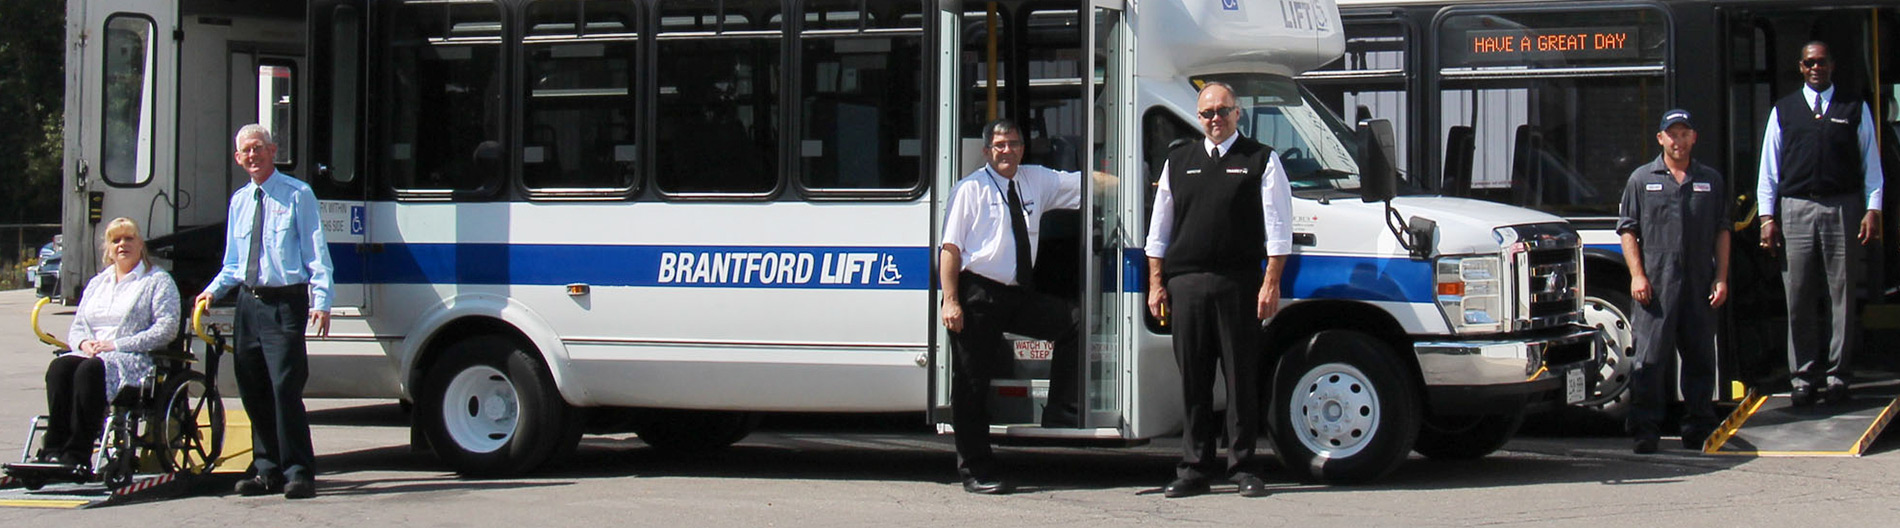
x,y
1328,277
877,268
1613,248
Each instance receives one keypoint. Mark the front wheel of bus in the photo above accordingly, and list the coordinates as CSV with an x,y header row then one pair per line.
x,y
1342,412
489,407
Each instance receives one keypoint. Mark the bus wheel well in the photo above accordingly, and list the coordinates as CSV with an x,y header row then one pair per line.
x,y
463,329
1303,320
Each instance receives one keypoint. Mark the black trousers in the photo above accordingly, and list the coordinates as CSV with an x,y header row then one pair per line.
x,y
1215,324
989,309
75,405
272,366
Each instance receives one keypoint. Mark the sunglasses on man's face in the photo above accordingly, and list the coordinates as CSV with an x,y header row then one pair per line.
x,y
1217,112
1814,63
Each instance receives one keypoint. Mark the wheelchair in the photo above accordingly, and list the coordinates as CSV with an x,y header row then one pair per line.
x,y
170,423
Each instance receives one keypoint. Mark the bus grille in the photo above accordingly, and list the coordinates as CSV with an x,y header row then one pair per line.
x,y
1551,288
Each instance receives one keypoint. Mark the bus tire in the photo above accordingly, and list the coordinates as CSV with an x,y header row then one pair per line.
x,y
1343,412
1607,309
1465,437
695,431
489,408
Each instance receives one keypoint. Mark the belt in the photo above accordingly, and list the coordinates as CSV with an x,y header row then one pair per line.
x,y
278,293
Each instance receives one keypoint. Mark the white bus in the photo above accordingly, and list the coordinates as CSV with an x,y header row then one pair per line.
x,y
554,217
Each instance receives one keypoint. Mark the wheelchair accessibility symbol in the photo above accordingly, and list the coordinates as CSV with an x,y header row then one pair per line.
x,y
1230,5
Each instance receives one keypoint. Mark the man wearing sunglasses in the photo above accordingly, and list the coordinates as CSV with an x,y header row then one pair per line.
x,y
1820,185
1223,206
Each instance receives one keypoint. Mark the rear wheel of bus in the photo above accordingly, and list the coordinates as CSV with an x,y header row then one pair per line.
x,y
489,407
1342,412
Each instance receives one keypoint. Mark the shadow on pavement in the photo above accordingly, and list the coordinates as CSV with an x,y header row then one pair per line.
x,y
900,448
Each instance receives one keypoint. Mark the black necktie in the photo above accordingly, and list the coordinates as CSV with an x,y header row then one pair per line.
x,y
1817,106
1020,228
257,241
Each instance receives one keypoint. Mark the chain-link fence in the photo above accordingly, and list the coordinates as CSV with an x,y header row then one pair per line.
x,y
20,250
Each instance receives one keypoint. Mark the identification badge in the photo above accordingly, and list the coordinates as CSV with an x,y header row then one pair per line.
x,y
1237,170
1652,187
1837,120
1193,171
1703,187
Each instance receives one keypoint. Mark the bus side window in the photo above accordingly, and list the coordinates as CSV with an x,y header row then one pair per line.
x,y
580,124
719,88
443,113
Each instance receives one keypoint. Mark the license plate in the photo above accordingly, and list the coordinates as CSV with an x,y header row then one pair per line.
x,y
1574,387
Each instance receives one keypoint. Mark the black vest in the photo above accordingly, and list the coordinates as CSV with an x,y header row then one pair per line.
x,y
1218,224
1820,157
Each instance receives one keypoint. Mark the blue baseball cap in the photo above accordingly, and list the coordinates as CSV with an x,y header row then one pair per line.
x,y
1675,116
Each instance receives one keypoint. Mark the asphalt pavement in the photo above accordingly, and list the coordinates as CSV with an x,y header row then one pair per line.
x,y
891,470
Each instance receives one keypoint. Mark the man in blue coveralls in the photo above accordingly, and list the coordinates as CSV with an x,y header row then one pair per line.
x,y
1675,234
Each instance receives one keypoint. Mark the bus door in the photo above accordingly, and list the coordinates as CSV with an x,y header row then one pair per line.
x,y
1034,65
1762,68
121,156
1111,298
331,163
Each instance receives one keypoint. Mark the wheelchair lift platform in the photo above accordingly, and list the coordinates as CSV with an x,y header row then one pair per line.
x,y
1769,425
65,494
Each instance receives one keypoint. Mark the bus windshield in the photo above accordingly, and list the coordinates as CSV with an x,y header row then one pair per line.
x,y
1319,151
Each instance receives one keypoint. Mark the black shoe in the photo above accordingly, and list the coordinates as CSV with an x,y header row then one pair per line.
x,y
1802,396
300,489
1185,487
985,486
1836,393
1251,486
255,486
1646,445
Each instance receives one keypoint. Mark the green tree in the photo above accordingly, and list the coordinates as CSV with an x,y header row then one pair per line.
x,y
32,66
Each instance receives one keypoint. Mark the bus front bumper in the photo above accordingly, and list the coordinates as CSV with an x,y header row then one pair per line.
x,y
1510,372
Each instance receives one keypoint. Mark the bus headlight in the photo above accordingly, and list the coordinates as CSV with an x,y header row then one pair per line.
x,y
1471,293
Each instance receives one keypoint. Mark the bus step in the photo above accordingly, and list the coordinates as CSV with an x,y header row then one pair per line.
x,y
1770,425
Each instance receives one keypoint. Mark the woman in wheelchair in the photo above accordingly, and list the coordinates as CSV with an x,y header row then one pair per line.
x,y
128,310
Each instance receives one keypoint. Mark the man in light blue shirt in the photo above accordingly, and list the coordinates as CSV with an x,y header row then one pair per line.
x,y
275,254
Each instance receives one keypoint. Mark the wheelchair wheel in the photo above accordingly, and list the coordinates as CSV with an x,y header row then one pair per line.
x,y
193,435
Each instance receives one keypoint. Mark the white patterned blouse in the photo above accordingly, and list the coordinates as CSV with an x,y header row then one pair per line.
x,y
137,313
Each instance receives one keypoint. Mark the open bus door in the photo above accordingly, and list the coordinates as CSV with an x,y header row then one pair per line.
x,y
1112,301
1086,111
335,169
122,71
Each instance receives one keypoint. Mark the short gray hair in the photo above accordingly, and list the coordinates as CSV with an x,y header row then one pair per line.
x,y
253,130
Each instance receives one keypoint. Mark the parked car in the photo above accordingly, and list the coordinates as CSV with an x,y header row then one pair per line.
x,y
45,273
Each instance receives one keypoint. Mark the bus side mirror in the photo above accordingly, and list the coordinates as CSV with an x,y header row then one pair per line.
x,y
1378,179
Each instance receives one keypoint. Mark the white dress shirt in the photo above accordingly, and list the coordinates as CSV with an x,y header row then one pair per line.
x,y
137,313
977,218
1769,185
1276,206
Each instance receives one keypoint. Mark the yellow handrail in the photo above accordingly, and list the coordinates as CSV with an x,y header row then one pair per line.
x,y
45,337
198,322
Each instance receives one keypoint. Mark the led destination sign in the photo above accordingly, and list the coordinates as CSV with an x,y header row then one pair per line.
x,y
1564,45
